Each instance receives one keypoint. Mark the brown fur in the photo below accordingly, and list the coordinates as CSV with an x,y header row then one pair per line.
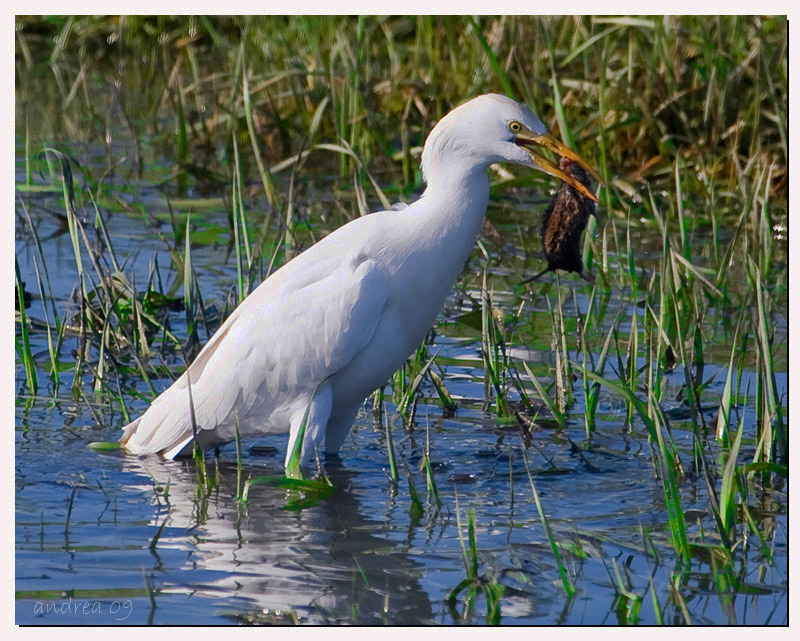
x,y
563,223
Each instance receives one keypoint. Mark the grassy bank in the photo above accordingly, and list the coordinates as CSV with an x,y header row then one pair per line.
x,y
635,94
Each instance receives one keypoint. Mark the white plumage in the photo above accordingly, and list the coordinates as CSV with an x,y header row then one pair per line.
x,y
334,323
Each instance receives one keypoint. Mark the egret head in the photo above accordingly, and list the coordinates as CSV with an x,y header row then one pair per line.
x,y
493,128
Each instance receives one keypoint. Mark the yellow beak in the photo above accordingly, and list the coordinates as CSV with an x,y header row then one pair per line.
x,y
533,142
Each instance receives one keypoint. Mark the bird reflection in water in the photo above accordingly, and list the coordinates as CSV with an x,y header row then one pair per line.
x,y
324,564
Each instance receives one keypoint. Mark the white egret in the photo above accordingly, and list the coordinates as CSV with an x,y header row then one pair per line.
x,y
333,324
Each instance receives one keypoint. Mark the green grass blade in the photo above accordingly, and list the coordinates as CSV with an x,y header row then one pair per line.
x,y
266,179
23,345
393,475
492,57
558,415
415,510
569,589
727,495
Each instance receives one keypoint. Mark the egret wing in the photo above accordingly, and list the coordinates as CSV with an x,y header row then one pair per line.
x,y
297,329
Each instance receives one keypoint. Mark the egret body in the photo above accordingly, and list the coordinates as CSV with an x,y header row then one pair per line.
x,y
333,324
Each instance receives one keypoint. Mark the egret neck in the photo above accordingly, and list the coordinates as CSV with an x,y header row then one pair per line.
x,y
439,232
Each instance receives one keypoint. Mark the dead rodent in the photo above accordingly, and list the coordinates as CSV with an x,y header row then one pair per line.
x,y
564,222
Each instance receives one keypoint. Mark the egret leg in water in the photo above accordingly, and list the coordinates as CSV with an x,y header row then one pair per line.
x,y
333,324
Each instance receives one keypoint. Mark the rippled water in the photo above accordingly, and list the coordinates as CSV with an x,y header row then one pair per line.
x,y
109,538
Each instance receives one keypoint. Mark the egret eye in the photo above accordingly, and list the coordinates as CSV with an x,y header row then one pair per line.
x,y
514,126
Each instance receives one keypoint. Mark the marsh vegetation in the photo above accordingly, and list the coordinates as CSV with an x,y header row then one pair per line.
x,y
558,452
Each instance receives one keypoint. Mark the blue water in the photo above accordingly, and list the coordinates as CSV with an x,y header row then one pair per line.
x,y
112,539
